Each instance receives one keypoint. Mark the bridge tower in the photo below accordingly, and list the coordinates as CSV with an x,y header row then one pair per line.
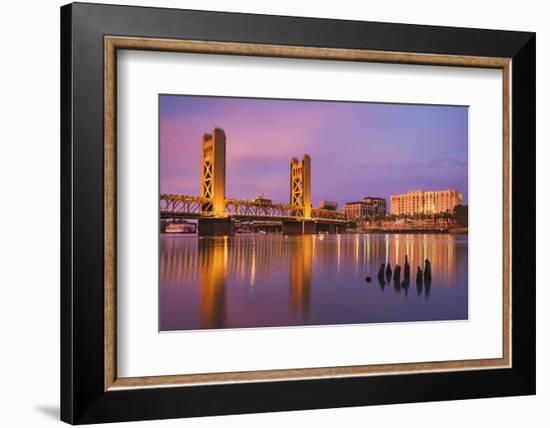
x,y
300,187
213,171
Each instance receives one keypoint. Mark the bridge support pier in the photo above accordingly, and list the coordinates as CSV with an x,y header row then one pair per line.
x,y
296,227
216,227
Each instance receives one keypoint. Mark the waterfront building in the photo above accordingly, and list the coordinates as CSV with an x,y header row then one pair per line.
x,y
262,200
369,207
375,206
328,205
425,202
355,210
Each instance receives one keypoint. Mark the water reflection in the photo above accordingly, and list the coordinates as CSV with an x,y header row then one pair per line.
x,y
300,261
273,280
213,273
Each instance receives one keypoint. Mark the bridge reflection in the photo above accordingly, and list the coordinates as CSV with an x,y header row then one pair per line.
x,y
213,274
301,262
222,271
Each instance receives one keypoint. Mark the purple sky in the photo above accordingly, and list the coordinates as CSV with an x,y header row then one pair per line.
x,y
356,149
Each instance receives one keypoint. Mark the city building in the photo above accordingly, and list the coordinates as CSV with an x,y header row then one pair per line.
x,y
425,202
328,205
262,200
356,210
369,207
375,206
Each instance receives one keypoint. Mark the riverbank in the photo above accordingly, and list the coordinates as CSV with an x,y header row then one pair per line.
x,y
415,230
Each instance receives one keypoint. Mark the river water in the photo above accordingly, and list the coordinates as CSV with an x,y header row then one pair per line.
x,y
266,280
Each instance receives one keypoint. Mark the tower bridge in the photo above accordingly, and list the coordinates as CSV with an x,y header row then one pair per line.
x,y
217,214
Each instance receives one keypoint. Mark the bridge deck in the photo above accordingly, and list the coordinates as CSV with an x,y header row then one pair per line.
x,y
192,207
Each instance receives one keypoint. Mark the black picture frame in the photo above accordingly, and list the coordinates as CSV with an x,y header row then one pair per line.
x,y
83,398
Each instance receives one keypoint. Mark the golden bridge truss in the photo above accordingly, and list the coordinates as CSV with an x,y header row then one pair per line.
x,y
196,207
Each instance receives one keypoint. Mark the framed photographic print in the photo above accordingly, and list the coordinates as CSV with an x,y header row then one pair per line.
x,y
265,213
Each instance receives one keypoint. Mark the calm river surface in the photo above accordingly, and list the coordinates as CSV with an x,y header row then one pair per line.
x,y
262,280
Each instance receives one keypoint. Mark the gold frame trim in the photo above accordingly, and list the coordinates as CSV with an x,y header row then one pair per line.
x,y
112,43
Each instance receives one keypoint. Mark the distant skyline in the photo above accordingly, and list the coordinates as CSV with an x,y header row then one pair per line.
x,y
356,149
